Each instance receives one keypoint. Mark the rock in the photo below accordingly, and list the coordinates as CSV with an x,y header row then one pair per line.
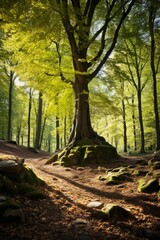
x,y
139,172
116,176
102,178
10,210
80,168
112,211
80,221
148,185
95,204
68,169
10,166
30,177
156,165
8,186
12,215
116,211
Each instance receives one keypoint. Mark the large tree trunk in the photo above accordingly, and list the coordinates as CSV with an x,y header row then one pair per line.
x,y
82,128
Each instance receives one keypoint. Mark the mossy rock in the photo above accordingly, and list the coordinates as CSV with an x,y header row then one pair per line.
x,y
85,153
112,211
148,185
6,202
118,175
138,172
102,178
30,177
31,191
26,188
36,195
156,165
156,173
8,186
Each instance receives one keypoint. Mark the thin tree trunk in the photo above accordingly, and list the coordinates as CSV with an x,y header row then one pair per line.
x,y
142,150
18,135
11,82
65,130
29,117
134,124
57,134
154,77
38,122
42,133
124,126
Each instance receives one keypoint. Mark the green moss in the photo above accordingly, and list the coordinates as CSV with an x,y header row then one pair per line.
x,y
139,172
148,185
8,186
26,188
36,195
9,203
30,177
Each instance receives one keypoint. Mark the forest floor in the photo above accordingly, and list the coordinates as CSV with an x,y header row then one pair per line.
x,y
64,215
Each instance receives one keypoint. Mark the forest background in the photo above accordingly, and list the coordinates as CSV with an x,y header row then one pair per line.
x,y
36,72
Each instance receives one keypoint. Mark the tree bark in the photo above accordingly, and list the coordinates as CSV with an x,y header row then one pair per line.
x,y
142,150
82,128
11,82
29,117
134,125
152,12
57,134
38,122
124,126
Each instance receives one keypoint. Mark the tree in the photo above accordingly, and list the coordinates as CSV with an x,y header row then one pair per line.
x,y
78,19
39,123
81,39
153,6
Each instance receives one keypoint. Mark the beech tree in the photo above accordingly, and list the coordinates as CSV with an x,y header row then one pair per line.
x,y
79,18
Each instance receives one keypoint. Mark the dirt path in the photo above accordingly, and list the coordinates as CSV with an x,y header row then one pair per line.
x,y
64,213
76,188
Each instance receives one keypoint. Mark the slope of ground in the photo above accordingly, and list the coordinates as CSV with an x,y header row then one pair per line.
x,y
64,213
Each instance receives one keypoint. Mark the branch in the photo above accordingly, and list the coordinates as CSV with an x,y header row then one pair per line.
x,y
60,60
106,56
131,73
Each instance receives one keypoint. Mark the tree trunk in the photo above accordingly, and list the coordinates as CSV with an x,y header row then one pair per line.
x,y
124,126
57,134
38,122
134,125
65,130
82,128
42,132
29,117
11,82
154,77
142,150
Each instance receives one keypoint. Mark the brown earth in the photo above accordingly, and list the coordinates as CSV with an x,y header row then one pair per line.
x,y
64,213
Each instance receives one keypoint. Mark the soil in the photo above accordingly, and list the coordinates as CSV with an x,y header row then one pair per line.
x,y
64,214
